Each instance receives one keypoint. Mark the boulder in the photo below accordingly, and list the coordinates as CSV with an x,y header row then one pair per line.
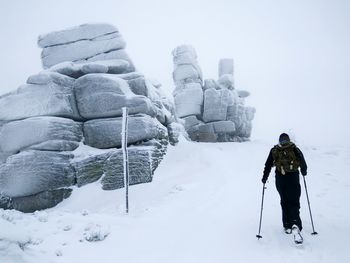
x,y
189,100
46,77
106,133
111,55
32,100
140,168
191,121
225,66
40,201
216,103
112,95
81,49
73,34
76,70
143,160
224,127
243,93
210,84
187,73
32,172
226,82
40,133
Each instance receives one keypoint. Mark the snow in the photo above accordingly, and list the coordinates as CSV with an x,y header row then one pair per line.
x,y
202,206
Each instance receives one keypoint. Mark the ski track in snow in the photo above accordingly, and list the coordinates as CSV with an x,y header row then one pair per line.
x,y
202,206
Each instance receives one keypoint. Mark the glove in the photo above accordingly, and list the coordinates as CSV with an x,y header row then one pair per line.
x,y
263,180
303,172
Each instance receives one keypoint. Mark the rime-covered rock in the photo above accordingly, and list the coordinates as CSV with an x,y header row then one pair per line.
x,y
108,100
40,201
225,66
191,121
46,77
215,104
73,34
210,84
32,172
143,160
140,168
226,82
186,68
189,100
76,70
106,133
31,100
81,49
40,133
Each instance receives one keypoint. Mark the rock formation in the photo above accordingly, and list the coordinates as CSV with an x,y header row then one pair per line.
x,y
63,127
212,111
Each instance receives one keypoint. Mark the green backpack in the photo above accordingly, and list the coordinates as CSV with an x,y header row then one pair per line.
x,y
285,158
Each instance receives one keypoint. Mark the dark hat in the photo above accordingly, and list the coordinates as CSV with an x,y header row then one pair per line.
x,y
284,138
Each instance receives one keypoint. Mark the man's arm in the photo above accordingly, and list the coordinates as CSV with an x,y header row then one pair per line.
x,y
268,167
303,165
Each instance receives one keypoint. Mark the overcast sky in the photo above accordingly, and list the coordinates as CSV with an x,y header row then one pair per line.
x,y
293,56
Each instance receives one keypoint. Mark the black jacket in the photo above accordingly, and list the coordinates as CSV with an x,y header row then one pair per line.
x,y
269,164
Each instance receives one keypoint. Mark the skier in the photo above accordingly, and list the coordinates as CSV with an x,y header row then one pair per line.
x,y
287,158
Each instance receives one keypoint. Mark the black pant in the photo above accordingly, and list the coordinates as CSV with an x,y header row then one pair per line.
x,y
288,187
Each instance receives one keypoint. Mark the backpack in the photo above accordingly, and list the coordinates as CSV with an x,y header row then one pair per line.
x,y
285,158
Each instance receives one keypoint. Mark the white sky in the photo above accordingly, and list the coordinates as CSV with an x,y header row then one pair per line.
x,y
293,56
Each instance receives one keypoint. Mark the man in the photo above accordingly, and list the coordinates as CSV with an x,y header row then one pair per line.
x,y
287,158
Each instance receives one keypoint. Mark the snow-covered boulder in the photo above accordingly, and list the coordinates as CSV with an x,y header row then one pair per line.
x,y
108,100
186,68
226,82
75,70
46,77
189,100
81,49
39,201
106,133
41,133
140,168
47,125
32,172
73,34
225,66
215,105
32,100
214,111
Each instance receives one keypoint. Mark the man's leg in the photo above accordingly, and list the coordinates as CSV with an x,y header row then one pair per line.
x,y
281,188
293,192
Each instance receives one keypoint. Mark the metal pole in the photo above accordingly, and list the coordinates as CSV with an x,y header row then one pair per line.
x,y
261,211
308,201
125,156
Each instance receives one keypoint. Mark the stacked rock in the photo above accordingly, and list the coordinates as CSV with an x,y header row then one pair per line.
x,y
63,127
213,111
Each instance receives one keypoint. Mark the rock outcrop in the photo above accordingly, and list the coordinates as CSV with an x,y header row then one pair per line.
x,y
212,111
63,127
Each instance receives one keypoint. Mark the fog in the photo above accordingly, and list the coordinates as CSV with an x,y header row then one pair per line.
x,y
293,56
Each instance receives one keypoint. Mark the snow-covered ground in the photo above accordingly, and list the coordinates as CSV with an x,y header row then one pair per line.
x,y
203,206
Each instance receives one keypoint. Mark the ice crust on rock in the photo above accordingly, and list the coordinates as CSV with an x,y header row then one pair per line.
x,y
215,105
82,32
214,111
33,132
32,100
82,49
32,172
106,133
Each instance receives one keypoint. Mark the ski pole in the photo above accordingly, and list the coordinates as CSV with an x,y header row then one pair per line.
x,y
261,210
308,201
